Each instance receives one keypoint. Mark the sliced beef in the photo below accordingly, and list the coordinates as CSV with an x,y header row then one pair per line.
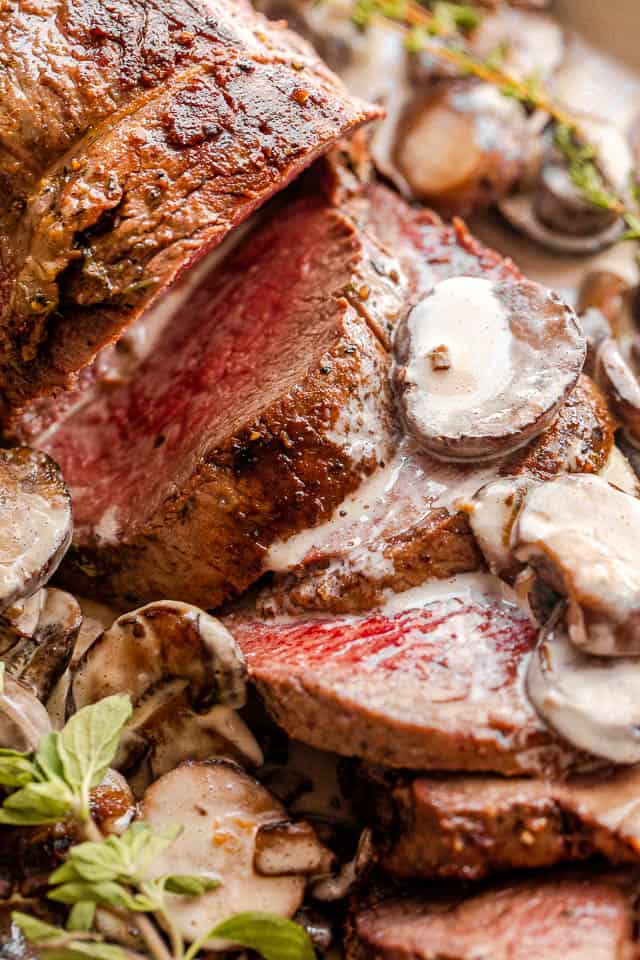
x,y
407,523
468,826
434,682
232,432
563,917
134,135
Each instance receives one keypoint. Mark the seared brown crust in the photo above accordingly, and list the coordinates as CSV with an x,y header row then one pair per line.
x,y
467,827
567,916
442,544
133,136
274,473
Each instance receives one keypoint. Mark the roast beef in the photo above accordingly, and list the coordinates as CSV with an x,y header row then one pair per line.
x,y
434,682
562,917
261,407
407,523
468,826
134,134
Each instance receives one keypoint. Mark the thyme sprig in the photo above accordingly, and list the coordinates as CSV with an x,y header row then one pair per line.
x,y
425,30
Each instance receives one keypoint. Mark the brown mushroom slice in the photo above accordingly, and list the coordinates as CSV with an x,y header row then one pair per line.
x,y
343,883
593,702
165,730
553,211
159,642
23,719
605,291
221,809
40,659
581,535
483,367
113,805
36,525
492,514
290,849
620,386
462,147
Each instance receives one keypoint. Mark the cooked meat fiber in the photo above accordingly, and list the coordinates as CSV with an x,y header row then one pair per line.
x,y
405,525
469,826
436,685
133,136
563,917
255,415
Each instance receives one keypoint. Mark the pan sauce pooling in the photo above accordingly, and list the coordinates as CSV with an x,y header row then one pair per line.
x,y
409,450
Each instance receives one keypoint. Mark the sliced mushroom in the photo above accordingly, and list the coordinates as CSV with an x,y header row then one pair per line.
x,y
484,367
23,719
593,702
221,809
605,291
160,642
36,522
290,848
619,471
553,211
350,875
492,514
165,730
581,535
620,386
40,658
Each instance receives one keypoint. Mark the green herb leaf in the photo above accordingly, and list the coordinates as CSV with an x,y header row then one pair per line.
x,y
47,758
273,937
108,893
450,18
38,803
81,916
189,886
36,930
79,949
16,769
87,744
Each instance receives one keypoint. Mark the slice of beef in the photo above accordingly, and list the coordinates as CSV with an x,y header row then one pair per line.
x,y
557,917
434,682
469,826
405,525
134,135
233,432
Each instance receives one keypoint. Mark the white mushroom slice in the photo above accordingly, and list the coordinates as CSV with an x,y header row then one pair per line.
x,y
36,525
23,719
581,535
620,385
605,291
483,367
157,643
518,210
618,471
593,702
221,809
492,514
40,659
290,848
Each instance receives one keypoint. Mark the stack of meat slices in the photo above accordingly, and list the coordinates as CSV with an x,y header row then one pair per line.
x,y
244,423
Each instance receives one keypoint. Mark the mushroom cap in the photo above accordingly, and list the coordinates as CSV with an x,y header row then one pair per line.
x,y
159,642
23,719
492,514
221,809
593,702
620,385
581,535
36,525
483,367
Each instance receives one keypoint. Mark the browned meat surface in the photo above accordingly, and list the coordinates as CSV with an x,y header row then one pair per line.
x,y
433,685
134,134
468,826
566,917
412,530
233,431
